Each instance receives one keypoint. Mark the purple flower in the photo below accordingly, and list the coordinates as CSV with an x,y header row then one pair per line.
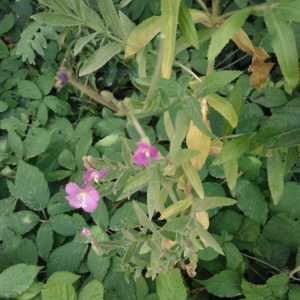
x,y
143,153
92,175
86,197
85,232
62,78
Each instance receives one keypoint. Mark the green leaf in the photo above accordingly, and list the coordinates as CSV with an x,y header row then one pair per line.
x,y
142,34
45,82
223,106
28,89
100,216
290,159
153,190
187,26
32,186
15,143
175,208
234,259
12,285
254,291
36,142
66,159
230,168
42,114
4,53
193,108
63,276
83,41
289,11
44,240
92,291
56,19
169,19
58,203
249,230
275,175
91,18
100,58
84,126
7,23
211,202
141,288
226,31
110,16
233,149
283,230
225,284
60,107
82,148
170,286
270,97
34,289
278,284
59,291
251,201
128,254
282,35
63,224
137,181
66,258
98,265
215,81
144,220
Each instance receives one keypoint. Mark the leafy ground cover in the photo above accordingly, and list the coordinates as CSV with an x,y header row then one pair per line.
x,y
149,149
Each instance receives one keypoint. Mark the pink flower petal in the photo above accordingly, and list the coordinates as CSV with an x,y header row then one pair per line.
x,y
72,188
144,152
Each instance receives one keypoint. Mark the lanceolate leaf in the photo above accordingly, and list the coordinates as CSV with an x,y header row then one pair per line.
x,y
56,19
100,58
153,190
226,31
282,35
169,17
290,11
275,175
142,35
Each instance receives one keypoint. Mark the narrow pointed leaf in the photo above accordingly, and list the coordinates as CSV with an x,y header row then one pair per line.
x,y
153,190
176,208
56,19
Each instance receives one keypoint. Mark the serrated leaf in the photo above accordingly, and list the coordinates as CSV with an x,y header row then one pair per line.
x,y
66,258
100,215
226,31
170,286
83,41
234,258
233,149
144,220
44,240
28,89
255,292
34,289
225,284
289,11
278,284
169,18
66,159
56,19
59,106
59,291
282,34
141,35
63,224
12,285
275,175
82,148
15,143
98,265
63,276
92,291
31,186
100,58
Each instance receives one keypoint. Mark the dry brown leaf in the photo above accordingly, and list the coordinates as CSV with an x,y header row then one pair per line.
x,y
242,40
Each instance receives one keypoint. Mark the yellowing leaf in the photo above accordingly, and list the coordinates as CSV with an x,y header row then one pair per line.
x,y
203,219
166,244
231,172
242,40
176,208
199,16
215,147
141,35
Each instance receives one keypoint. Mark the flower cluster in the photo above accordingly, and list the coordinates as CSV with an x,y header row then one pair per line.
x,y
86,197
143,153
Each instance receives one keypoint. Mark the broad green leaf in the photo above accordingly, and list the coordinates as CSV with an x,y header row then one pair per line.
x,y
226,220
215,81
251,201
223,106
249,230
44,240
291,158
4,53
270,97
42,114
82,148
56,19
141,35
91,18
144,220
187,26
193,178
288,10
137,181
15,143
128,254
153,190
283,230
12,285
63,276
176,208
32,186
100,57
141,288
126,24
7,23
34,289
28,89
169,18
63,224
100,215
226,31
234,258
66,159
98,265
211,202
84,126
59,291
83,41
92,291
278,284
275,175
59,106
66,258
250,166
254,291
193,108
282,35
233,149
184,155
170,286
181,126
225,284
110,16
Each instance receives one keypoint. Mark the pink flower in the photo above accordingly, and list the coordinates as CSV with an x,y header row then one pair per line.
x,y
86,197
143,153
85,232
92,175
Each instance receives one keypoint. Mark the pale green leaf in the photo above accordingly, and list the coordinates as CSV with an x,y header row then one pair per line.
x,y
231,172
28,89
63,276
59,291
176,208
56,19
83,41
153,190
92,291
91,18
144,220
211,202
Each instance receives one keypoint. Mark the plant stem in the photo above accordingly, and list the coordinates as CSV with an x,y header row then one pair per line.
x,y
215,8
291,273
201,3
